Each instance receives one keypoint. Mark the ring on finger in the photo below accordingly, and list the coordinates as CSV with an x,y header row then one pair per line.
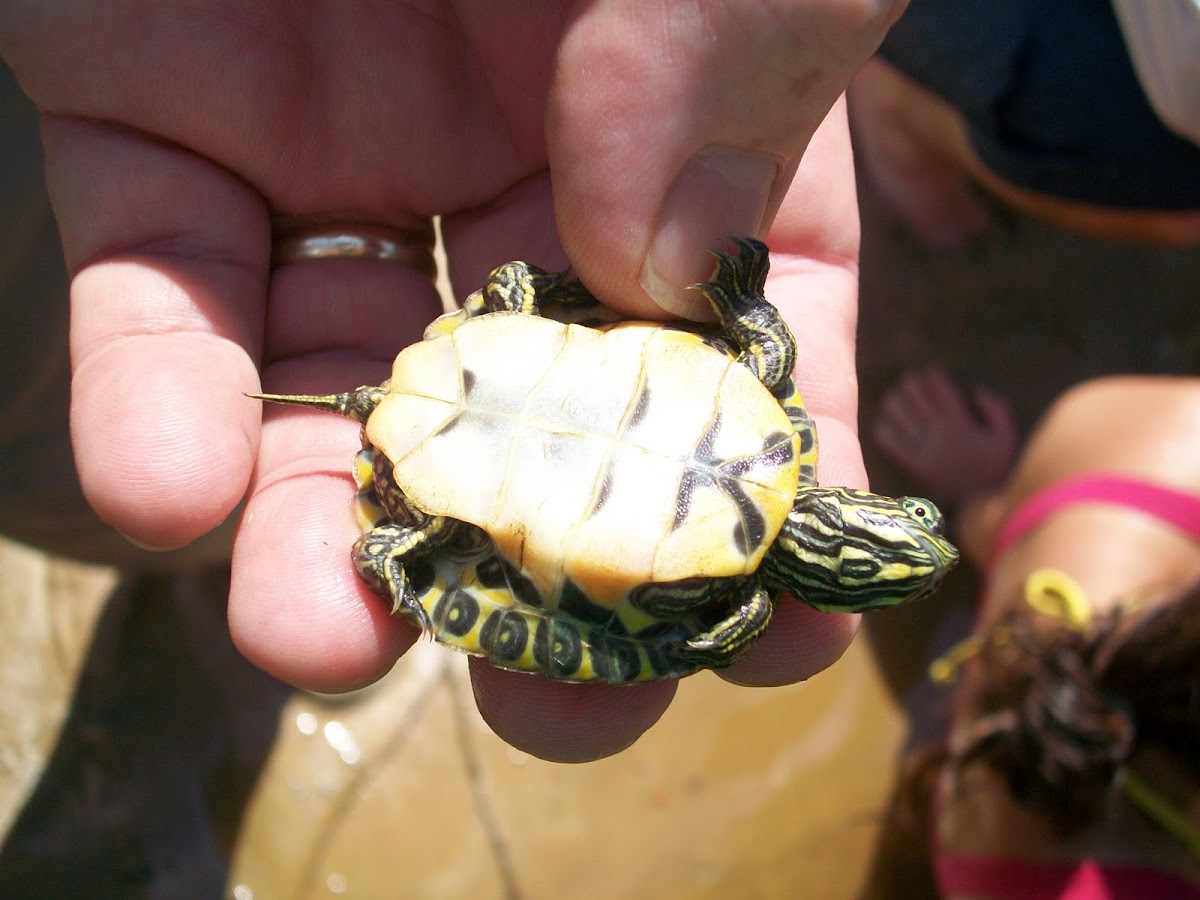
x,y
378,243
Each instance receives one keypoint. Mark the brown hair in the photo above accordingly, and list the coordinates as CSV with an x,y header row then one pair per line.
x,y
1056,711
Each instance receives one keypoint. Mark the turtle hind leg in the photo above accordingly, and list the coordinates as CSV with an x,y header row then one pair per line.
x,y
380,556
519,287
516,286
736,294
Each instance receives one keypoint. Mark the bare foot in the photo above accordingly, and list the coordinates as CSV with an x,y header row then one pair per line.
x,y
911,142
953,446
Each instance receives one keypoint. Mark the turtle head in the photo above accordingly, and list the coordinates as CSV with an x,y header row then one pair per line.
x,y
357,404
848,551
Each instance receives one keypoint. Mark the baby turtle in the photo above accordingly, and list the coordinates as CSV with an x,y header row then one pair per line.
x,y
618,502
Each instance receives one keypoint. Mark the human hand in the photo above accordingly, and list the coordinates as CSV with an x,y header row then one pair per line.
x,y
956,445
188,137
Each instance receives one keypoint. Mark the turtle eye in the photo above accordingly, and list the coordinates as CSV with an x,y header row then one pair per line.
x,y
928,515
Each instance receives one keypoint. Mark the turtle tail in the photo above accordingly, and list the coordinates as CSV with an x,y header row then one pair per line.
x,y
357,404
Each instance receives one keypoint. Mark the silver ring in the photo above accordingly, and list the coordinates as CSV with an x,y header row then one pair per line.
x,y
353,241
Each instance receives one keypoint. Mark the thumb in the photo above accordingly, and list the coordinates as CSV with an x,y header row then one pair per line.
x,y
669,131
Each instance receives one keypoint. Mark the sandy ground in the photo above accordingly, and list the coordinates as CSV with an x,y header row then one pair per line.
x,y
139,753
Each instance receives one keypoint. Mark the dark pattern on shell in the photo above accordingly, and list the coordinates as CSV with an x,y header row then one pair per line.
x,y
497,572
606,483
558,648
455,613
706,470
421,575
640,408
504,636
615,659
573,602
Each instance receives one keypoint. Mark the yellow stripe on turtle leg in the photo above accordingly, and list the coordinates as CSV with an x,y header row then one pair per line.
x,y
722,644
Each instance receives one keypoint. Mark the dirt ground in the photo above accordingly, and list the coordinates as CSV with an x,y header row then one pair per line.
x,y
138,753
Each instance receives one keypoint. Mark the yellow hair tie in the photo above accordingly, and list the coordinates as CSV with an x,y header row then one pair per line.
x,y
1056,594
1048,591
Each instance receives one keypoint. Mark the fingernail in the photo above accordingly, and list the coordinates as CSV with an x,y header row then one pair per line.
x,y
152,548
721,193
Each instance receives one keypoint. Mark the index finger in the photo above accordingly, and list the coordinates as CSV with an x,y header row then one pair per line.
x,y
169,257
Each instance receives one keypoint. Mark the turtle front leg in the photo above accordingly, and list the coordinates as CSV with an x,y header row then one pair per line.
x,y
725,642
722,643
381,553
736,294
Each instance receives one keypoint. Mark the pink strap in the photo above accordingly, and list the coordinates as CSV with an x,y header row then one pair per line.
x,y
1011,879
1172,506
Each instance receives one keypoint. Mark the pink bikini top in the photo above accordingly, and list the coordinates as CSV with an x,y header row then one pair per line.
x,y
1169,505
982,876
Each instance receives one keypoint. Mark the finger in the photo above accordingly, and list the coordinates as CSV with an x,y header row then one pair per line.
x,y
897,409
814,283
517,225
297,607
668,133
566,722
915,402
891,439
996,412
168,255
891,404
1000,426
944,393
